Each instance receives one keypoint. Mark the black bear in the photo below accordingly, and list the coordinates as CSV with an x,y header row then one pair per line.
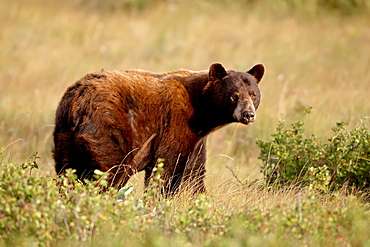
x,y
122,122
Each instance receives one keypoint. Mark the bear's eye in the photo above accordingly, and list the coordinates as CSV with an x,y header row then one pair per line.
x,y
235,97
252,94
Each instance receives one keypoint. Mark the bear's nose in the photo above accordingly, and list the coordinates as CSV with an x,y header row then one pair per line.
x,y
249,115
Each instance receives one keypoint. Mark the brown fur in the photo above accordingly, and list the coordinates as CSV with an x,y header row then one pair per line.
x,y
123,122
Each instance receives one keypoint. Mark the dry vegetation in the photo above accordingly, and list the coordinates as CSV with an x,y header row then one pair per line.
x,y
319,61
312,59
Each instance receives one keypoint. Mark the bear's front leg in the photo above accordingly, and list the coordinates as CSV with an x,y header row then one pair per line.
x,y
194,172
120,174
171,181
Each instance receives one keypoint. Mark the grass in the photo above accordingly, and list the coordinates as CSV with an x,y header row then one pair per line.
x,y
318,62
77,215
313,57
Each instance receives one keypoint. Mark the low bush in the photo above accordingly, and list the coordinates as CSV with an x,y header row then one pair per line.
x,y
292,157
45,211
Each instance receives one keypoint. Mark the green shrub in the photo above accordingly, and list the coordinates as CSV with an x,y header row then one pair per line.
x,y
292,157
45,211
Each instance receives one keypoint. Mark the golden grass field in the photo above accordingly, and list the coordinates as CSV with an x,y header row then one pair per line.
x,y
317,60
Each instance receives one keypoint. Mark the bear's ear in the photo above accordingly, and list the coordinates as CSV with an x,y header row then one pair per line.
x,y
216,72
257,71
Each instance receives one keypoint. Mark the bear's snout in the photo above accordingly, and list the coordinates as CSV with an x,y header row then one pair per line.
x,y
248,117
245,112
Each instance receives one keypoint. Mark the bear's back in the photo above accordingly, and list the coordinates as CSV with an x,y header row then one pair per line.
x,y
135,101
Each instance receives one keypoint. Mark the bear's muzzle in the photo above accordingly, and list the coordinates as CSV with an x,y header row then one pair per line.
x,y
245,112
248,117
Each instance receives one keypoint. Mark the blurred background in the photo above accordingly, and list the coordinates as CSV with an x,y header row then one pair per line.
x,y
316,54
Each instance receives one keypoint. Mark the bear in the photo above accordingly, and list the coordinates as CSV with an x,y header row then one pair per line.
x,y
123,122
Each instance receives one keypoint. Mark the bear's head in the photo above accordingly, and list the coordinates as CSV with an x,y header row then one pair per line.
x,y
235,95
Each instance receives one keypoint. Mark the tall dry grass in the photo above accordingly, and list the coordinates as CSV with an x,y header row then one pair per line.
x,y
313,60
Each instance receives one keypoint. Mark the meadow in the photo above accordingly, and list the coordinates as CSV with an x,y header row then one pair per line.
x,y
315,56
